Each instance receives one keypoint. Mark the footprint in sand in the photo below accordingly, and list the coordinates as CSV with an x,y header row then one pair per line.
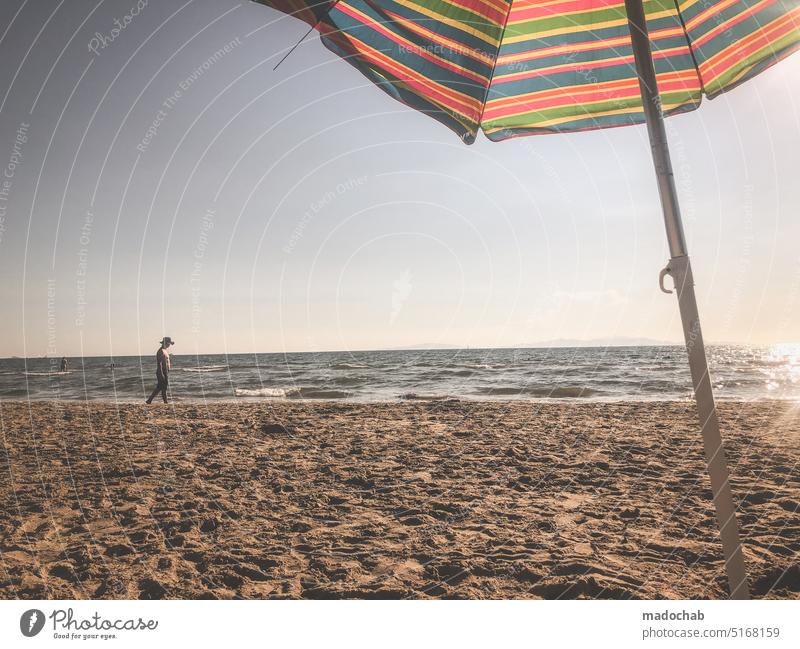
x,y
151,589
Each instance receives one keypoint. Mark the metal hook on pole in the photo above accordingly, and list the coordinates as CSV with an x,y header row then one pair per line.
x,y
664,272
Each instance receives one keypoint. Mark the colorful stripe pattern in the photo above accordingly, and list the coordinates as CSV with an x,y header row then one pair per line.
x,y
567,65
522,67
733,40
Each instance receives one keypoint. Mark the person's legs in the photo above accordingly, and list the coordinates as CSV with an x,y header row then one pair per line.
x,y
161,386
153,394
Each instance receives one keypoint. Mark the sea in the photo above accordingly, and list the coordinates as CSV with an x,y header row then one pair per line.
x,y
742,373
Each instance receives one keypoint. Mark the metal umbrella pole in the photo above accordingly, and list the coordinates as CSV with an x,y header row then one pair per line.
x,y
680,270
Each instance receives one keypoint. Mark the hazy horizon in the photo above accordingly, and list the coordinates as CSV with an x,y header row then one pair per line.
x,y
422,347
158,187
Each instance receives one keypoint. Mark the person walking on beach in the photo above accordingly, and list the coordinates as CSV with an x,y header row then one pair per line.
x,y
162,369
63,364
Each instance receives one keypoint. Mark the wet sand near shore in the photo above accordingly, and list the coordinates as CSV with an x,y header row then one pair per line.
x,y
444,499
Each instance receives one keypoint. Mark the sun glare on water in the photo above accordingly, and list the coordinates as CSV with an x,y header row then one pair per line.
x,y
783,369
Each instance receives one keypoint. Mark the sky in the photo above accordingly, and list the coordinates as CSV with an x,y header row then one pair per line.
x,y
241,209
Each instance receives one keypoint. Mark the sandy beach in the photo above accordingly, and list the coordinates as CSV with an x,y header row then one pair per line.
x,y
392,500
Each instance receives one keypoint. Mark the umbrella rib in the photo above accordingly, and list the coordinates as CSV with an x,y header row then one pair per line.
x,y
310,29
689,45
494,67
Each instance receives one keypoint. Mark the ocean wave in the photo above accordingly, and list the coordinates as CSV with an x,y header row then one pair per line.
x,y
204,368
413,396
566,392
349,366
462,370
500,391
292,393
559,392
318,393
128,381
349,380
279,393
18,392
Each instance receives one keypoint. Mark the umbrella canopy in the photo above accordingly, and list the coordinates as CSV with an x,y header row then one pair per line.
x,y
522,67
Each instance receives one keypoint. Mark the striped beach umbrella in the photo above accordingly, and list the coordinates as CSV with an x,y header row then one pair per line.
x,y
526,67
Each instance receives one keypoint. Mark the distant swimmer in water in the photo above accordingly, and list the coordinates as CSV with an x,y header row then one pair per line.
x,y
63,364
162,369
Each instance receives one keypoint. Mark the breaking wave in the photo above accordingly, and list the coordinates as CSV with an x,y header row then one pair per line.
x,y
292,393
275,393
413,396
204,368
563,392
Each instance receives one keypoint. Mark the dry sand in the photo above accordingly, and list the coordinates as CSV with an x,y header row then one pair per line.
x,y
420,500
